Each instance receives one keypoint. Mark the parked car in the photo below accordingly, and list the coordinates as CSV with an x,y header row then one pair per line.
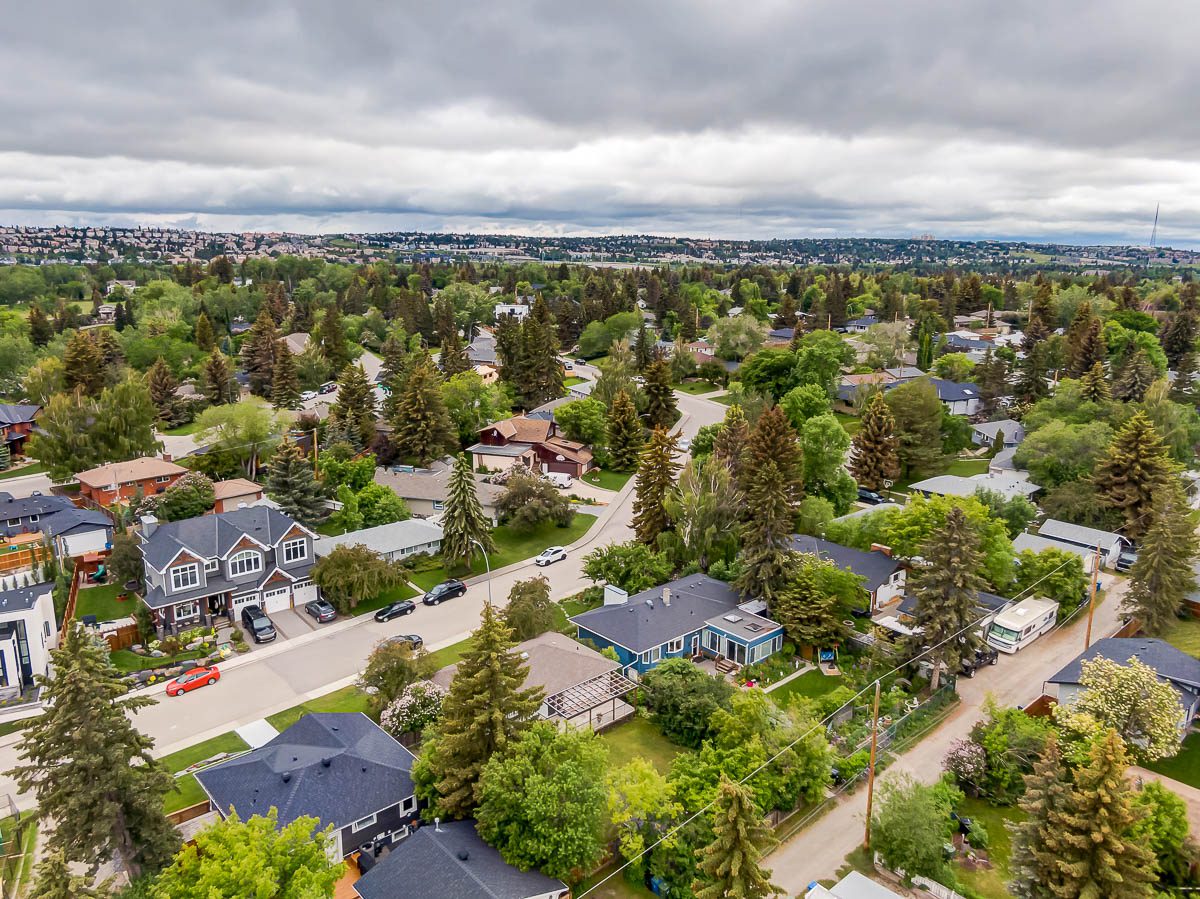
x,y
870,497
684,445
568,365
559,479
308,395
1126,560
328,387
204,676
412,641
321,610
986,656
395,610
443,591
549,556
255,620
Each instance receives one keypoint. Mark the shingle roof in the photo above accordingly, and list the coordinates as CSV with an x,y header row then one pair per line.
x,y
211,536
450,861
15,414
70,519
367,771
1013,430
125,472
22,507
1169,662
22,599
1079,535
954,391
875,568
431,484
521,429
234,487
385,538
985,602
1037,543
555,662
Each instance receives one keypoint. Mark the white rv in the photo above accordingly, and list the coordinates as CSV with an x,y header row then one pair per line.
x,y
1016,628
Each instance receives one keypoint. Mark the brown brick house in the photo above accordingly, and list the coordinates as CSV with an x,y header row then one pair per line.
x,y
16,424
121,483
532,442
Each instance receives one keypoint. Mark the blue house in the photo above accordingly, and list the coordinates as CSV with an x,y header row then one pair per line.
x,y
695,615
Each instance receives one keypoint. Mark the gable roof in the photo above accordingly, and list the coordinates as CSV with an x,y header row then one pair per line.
x,y
235,487
211,536
1037,543
20,413
64,522
556,663
22,507
875,568
384,538
1077,534
450,861
984,602
521,429
338,767
1171,664
131,470
431,484
954,391
1012,430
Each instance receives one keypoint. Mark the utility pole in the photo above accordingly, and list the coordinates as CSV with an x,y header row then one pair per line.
x,y
871,768
314,440
1087,640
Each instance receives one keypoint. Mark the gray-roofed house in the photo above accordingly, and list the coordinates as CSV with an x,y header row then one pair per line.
x,y
424,489
957,485
988,605
74,531
959,398
691,616
1110,545
853,886
984,434
1004,464
203,568
16,424
398,540
882,576
451,861
1177,668
1037,543
28,631
338,767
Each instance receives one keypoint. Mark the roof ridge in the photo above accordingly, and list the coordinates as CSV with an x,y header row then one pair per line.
x,y
462,867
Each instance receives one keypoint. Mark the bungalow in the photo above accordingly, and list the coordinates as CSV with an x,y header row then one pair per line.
x,y
882,576
296,342
853,886
987,606
424,489
692,616
338,767
957,485
780,336
532,442
1011,433
967,342
235,493
123,483
1037,543
958,398
582,390
106,313
1177,668
16,424
482,350
517,310
1110,545
395,541
28,632
118,285
860,325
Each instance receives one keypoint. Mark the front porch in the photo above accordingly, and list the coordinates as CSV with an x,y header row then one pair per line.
x,y
206,611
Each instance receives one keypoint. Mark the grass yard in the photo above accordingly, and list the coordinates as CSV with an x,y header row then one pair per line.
x,y
616,887
22,868
448,655
347,699
1184,766
608,480
812,684
638,736
695,388
1184,634
724,399
103,603
850,423
967,467
130,661
190,428
573,380
514,547
989,883
188,791
401,591
35,468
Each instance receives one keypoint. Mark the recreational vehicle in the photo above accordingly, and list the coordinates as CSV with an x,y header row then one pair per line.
x,y
1015,628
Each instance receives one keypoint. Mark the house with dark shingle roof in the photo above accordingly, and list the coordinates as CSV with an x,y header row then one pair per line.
x,y
882,576
532,442
338,767
28,631
73,531
16,424
451,861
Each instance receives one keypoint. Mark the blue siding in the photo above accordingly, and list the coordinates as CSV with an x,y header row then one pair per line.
x,y
634,660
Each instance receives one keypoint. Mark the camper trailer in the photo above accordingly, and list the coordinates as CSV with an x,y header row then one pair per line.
x,y
1015,628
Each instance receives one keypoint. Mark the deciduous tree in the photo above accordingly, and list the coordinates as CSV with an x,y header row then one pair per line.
x,y
352,573
632,566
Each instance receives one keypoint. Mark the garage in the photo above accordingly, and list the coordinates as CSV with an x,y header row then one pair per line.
x,y
241,601
277,600
304,591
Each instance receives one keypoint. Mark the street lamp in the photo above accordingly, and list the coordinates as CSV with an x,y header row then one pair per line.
x,y
487,563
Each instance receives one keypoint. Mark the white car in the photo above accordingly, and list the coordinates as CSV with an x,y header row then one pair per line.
x,y
308,395
549,556
684,445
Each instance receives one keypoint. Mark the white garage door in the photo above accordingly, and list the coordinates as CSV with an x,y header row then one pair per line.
x,y
304,591
240,601
277,600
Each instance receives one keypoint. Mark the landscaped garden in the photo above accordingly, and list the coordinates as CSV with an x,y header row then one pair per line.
x,y
694,387
22,470
607,480
638,736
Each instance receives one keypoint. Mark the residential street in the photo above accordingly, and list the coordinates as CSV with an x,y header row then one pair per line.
x,y
818,851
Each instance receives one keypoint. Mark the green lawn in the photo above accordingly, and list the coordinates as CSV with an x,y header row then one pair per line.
x,y
608,480
850,423
402,591
1184,766
448,655
187,793
638,736
185,758
35,468
22,870
812,684
695,388
514,547
989,883
190,428
347,699
967,467
724,399
573,380
103,603
131,661
1184,634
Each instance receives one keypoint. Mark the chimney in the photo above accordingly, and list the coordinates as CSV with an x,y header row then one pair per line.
x,y
167,457
880,548
666,596
614,596
149,525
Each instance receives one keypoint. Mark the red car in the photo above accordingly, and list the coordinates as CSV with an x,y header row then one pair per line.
x,y
190,680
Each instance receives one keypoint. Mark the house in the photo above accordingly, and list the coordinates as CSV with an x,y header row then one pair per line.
x,y
449,860
338,767
532,442
106,313
424,489
234,493
958,398
398,540
1011,433
1110,545
28,632
853,886
113,286
582,390
581,688
124,483
203,568
904,373
1036,543
296,342
860,325
777,337
72,531
691,616
882,576
1002,464
967,342
987,606
958,485
517,310
16,424
1177,668
482,350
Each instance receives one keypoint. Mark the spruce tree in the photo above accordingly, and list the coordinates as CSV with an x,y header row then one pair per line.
x,y
1041,316
219,386
810,616
874,462
463,521
422,427
453,358
1037,840
355,403
88,767
774,440
661,410
205,339
83,365
331,338
624,433
52,879
1133,468
1184,387
285,384
730,442
542,379
258,353
655,485
292,484
1179,336
1135,378
1089,350
730,866
946,590
643,349
1093,386
41,331
162,385
766,558
485,711
991,375
1163,576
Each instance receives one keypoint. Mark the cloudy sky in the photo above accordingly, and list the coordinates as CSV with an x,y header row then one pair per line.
x,y
756,118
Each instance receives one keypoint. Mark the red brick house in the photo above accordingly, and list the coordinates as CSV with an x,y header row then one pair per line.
x,y
532,442
121,483
16,424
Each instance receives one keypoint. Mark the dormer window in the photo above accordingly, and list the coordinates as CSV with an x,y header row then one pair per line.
x,y
246,562
184,577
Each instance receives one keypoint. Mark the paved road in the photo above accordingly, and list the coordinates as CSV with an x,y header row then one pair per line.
x,y
26,485
371,364
817,852
285,675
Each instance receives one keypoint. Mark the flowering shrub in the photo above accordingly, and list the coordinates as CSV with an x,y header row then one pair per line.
x,y
967,761
413,710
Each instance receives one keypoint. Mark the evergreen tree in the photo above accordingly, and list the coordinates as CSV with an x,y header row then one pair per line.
x,y
1093,386
1133,468
873,454
775,440
162,385
292,484
947,594
331,338
991,375
643,348
422,427
730,866
355,403
258,353
41,331
1135,379
1163,576
1032,373
810,616
205,339
218,383
766,558
1090,350
83,365
285,384
542,372
1037,840
624,433
661,410
1184,387
463,521
1179,336
453,359
89,768
655,485
925,350
485,711
1041,317
52,879
730,442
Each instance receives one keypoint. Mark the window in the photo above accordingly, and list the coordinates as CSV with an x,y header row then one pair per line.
x,y
162,479
14,522
675,645
211,564
186,610
184,577
34,518
713,641
295,551
409,804
362,823
438,505
246,562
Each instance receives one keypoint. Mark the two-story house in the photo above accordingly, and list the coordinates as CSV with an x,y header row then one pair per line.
x,y
532,442
211,566
16,424
28,632
123,483
882,577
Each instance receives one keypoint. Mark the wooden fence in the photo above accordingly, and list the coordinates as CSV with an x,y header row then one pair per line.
x,y
123,637
22,551
72,598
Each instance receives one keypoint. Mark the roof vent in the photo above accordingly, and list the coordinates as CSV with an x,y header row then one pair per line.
x,y
463,855
733,619
287,777
326,762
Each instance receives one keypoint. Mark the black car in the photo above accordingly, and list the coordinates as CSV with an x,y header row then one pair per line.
x,y
412,641
870,497
985,656
328,387
255,620
395,610
445,590
320,610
